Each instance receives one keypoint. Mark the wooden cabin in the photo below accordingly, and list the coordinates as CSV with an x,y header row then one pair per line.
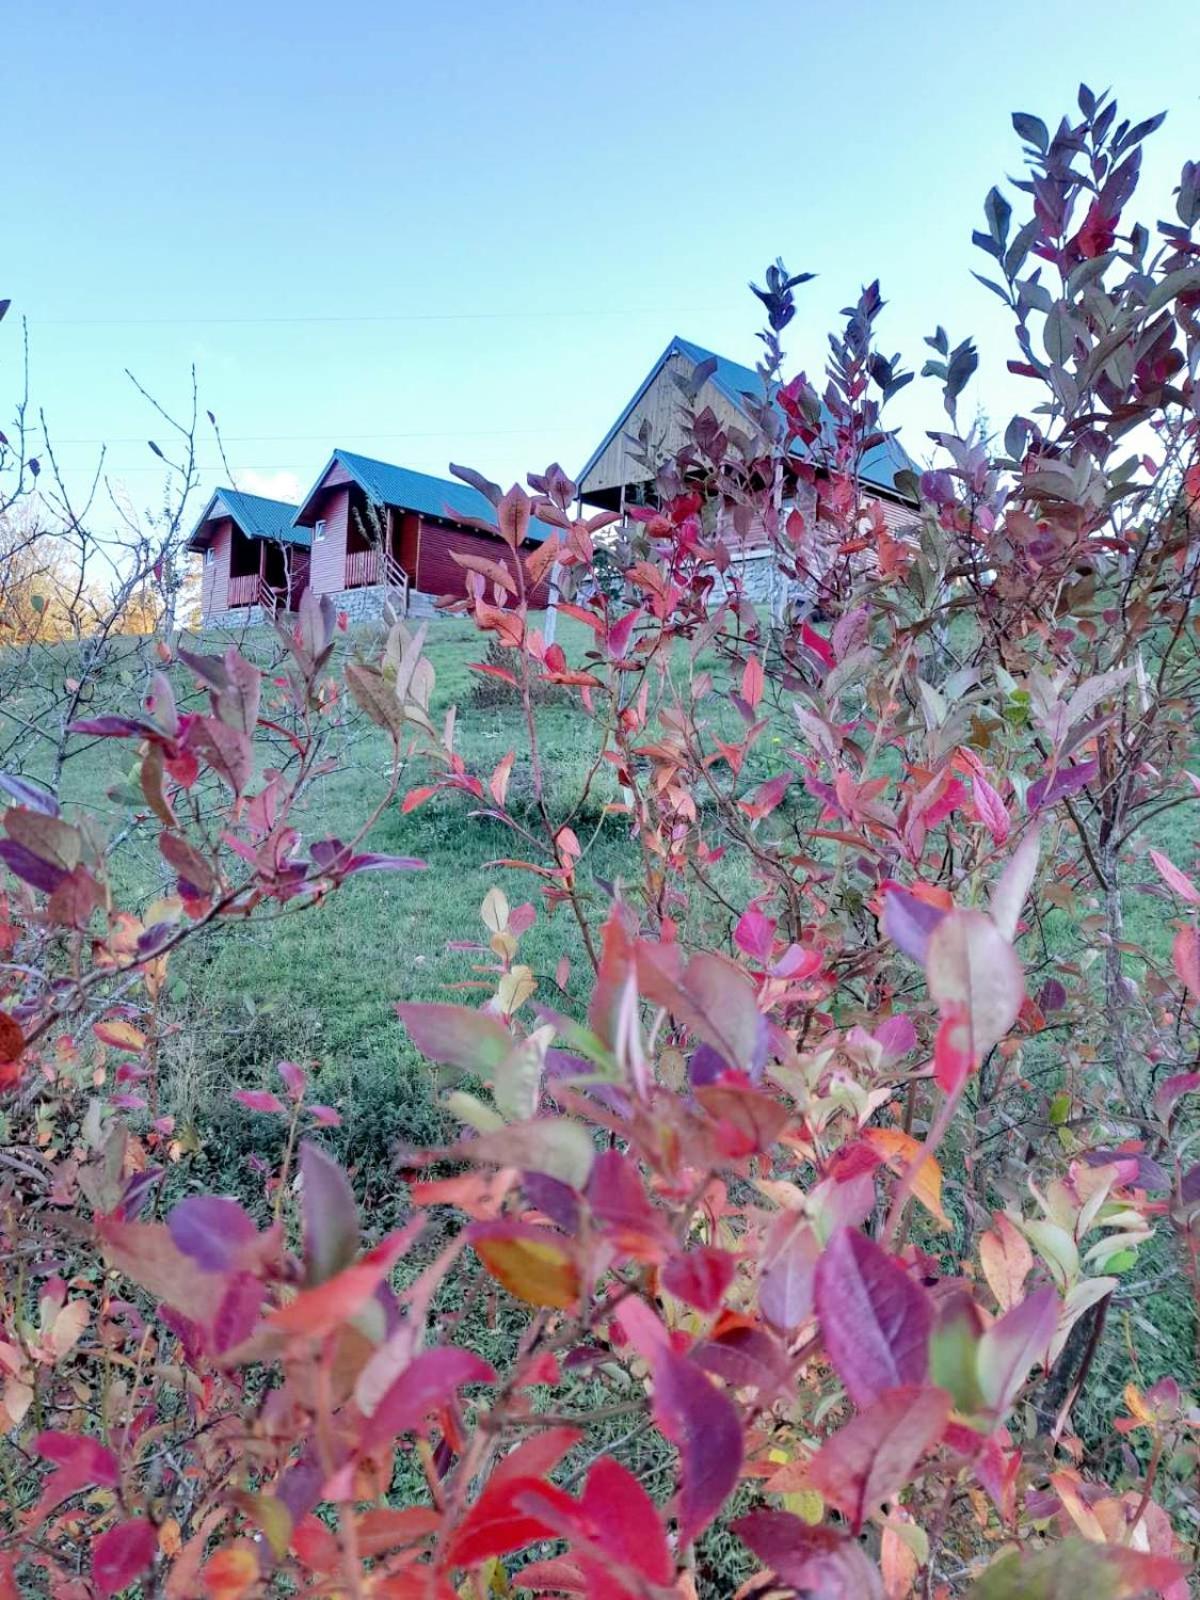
x,y
381,531
254,560
614,476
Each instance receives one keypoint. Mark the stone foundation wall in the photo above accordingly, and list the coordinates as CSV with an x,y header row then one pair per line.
x,y
360,605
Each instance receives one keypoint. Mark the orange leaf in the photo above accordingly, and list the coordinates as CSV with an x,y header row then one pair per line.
x,y
1006,1259
120,1035
529,1262
231,1573
900,1150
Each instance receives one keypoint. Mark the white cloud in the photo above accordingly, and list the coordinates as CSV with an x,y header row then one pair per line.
x,y
279,485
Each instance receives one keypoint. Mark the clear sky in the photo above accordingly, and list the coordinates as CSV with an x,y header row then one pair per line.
x,y
433,232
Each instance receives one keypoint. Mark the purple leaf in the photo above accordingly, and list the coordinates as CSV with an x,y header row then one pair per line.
x,y
895,1036
908,922
212,1230
331,1231
1051,997
1059,785
373,863
114,727
703,1424
31,869
788,1276
1173,1089
875,1319
28,794
814,1561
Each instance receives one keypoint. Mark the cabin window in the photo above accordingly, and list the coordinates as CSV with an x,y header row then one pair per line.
x,y
210,555
318,530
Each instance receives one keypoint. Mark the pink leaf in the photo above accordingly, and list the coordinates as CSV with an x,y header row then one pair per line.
x,y
1185,953
755,934
969,963
1012,886
1174,879
429,1381
260,1100
870,1459
814,1561
991,809
294,1077
122,1554
1012,1344
1173,1089
875,1319
455,1036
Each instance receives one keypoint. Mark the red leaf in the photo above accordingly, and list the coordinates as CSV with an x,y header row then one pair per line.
x,y
700,1277
494,1526
870,1459
616,640
417,797
317,1312
875,1319
122,1554
752,682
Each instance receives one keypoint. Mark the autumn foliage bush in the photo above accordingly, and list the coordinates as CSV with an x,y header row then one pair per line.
x,y
835,1189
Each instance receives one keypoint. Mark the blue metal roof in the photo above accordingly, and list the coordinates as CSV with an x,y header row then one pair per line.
x,y
879,466
389,485
255,515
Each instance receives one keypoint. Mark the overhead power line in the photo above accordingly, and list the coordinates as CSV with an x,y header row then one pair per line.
x,y
408,316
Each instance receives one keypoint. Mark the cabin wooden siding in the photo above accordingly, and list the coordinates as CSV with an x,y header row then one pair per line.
x,y
659,406
327,573
439,574
214,578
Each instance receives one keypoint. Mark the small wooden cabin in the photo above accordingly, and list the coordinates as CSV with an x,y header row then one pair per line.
x,y
253,557
381,528
614,477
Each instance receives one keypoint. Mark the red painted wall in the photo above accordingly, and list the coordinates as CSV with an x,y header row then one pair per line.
x,y
438,574
214,579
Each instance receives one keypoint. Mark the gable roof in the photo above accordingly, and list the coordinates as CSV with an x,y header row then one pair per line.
x,y
389,485
255,515
735,382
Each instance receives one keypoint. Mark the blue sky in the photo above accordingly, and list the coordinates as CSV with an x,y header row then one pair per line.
x,y
433,232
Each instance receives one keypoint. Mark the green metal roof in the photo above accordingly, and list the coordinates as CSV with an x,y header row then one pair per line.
x,y
879,466
389,485
255,515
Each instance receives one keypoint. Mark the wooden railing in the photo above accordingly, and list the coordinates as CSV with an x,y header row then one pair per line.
x,y
243,591
362,568
366,568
